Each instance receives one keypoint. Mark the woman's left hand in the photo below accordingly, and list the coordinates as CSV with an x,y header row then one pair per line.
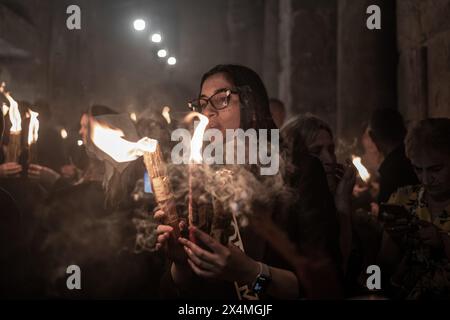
x,y
223,263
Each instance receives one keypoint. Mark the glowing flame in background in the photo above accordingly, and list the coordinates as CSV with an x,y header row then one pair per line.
x,y
166,114
5,109
14,114
362,171
33,129
197,138
111,141
80,143
64,133
133,117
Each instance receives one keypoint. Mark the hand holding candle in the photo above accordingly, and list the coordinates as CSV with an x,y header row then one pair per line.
x,y
111,141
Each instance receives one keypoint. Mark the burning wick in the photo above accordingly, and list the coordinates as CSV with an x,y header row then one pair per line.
x,y
111,141
33,131
362,171
14,115
64,134
197,138
5,109
133,117
33,134
14,146
166,114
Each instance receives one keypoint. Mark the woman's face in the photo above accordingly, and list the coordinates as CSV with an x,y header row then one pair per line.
x,y
433,171
227,118
323,148
84,125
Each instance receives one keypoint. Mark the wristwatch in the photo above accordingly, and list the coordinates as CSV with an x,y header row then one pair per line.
x,y
262,280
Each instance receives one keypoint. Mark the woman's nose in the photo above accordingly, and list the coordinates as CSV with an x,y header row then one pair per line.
x,y
426,178
209,111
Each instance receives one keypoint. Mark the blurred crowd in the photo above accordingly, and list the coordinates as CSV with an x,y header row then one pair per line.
x,y
310,232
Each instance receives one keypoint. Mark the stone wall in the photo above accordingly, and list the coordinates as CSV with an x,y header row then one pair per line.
x,y
424,58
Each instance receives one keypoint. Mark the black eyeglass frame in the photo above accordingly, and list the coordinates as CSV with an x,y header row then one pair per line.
x,y
208,101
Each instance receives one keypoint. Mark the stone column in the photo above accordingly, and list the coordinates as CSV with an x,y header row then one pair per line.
x,y
308,57
366,64
424,58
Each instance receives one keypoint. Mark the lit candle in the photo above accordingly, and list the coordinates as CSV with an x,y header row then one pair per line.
x,y
13,149
111,142
195,159
33,134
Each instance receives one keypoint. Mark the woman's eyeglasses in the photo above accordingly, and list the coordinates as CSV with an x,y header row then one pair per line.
x,y
219,101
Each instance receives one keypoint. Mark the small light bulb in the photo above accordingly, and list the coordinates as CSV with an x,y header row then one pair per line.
x,y
171,61
162,53
139,25
64,134
156,38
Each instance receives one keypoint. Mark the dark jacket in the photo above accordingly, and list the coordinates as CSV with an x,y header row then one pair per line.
x,y
396,171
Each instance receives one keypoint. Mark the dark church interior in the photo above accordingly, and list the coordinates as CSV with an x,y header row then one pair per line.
x,y
225,150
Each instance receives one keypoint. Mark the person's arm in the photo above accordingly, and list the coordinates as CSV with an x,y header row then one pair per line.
x,y
284,284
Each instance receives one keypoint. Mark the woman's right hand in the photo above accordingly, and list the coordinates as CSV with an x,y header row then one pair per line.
x,y
167,239
10,169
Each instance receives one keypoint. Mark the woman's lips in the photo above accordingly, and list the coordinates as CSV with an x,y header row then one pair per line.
x,y
212,125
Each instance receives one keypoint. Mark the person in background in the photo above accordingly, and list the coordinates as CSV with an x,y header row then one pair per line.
x,y
11,234
49,145
387,130
278,112
317,137
416,241
234,97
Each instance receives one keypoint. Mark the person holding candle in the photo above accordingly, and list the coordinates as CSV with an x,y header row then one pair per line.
x,y
232,97
317,138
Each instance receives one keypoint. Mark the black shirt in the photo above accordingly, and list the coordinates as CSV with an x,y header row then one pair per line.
x,y
396,171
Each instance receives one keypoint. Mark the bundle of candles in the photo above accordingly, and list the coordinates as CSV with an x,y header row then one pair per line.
x,y
14,148
157,170
111,141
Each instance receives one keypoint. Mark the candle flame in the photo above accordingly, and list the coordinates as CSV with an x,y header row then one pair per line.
x,y
80,143
110,141
363,173
14,113
64,133
33,129
133,117
5,109
166,114
197,138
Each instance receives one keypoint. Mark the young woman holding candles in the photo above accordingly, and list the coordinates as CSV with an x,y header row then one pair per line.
x,y
234,97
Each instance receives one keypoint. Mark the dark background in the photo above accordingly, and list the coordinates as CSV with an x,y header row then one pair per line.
x,y
315,55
